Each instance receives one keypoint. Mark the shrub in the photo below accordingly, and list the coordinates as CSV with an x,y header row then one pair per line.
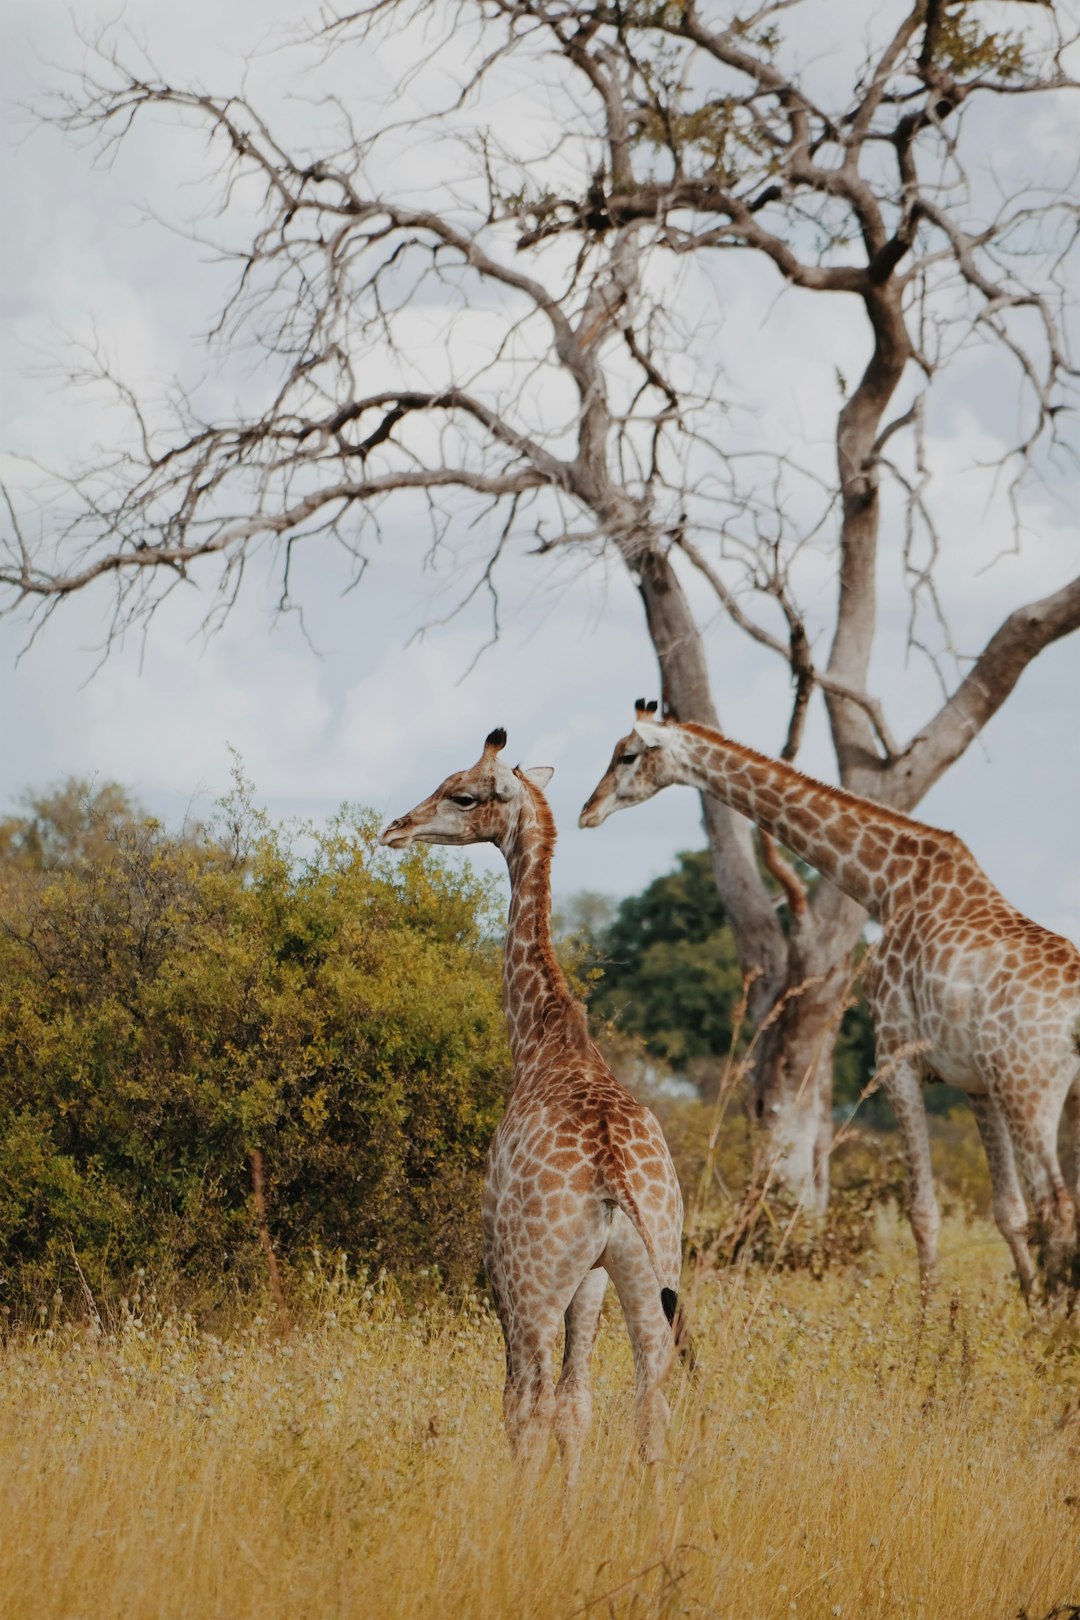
x,y
169,1005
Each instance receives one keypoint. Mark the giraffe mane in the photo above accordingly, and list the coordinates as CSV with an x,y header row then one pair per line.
x,y
546,849
838,794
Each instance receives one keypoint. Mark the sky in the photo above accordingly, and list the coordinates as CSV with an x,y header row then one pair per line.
x,y
351,704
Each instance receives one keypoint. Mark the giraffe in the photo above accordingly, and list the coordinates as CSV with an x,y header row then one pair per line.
x,y
579,1185
962,986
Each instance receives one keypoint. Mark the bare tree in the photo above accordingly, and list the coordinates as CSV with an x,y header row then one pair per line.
x,y
585,413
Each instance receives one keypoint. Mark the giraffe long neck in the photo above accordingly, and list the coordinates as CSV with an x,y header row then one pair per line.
x,y
871,853
539,1006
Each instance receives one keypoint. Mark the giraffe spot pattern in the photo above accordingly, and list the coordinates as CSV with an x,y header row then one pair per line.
x,y
962,986
579,1182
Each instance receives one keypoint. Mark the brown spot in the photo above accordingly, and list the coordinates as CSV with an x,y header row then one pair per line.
x,y
872,848
802,820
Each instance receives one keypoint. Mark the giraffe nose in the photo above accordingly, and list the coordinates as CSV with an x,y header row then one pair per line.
x,y
396,835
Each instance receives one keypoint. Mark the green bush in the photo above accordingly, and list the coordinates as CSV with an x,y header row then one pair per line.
x,y
168,1005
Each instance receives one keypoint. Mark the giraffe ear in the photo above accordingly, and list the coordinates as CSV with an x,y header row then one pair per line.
x,y
539,775
651,734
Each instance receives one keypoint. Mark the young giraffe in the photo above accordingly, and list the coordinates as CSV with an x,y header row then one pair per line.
x,y
963,988
580,1185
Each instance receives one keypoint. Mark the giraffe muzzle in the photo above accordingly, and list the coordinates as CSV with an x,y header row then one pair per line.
x,y
398,835
594,813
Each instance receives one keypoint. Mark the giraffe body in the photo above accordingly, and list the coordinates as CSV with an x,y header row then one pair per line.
x,y
962,986
579,1184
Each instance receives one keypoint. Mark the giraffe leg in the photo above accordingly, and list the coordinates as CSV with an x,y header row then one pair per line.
x,y
573,1393
1010,1210
904,1089
651,1335
1034,1132
528,1394
1070,1146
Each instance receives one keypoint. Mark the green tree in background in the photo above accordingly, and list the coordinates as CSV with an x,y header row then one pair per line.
x,y
188,1019
670,967
169,1008
664,967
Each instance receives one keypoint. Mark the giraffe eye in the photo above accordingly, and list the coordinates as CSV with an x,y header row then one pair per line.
x,y
626,759
465,800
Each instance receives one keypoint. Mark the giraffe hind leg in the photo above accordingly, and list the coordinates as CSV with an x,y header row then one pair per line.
x,y
903,1086
1070,1140
1034,1140
528,1394
1010,1210
573,1393
651,1330
535,1297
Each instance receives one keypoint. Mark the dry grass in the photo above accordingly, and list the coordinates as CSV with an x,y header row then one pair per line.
x,y
838,1457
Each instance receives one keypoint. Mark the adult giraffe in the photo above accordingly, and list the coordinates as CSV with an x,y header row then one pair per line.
x,y
579,1185
963,988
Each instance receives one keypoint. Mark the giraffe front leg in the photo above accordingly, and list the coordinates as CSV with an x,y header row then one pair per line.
x,y
573,1393
1010,1210
903,1086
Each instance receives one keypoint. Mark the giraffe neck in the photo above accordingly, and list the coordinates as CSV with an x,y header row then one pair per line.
x,y
873,854
539,1006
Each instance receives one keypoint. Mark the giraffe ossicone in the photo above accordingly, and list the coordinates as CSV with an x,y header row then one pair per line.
x,y
579,1183
962,986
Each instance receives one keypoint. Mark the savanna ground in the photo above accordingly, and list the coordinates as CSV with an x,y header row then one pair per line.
x,y
177,1012
839,1454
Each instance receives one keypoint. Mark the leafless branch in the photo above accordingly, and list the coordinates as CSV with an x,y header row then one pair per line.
x,y
491,312
802,666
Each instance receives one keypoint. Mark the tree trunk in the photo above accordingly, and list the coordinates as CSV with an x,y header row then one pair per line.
x,y
794,1070
258,1187
684,673
794,1073
801,978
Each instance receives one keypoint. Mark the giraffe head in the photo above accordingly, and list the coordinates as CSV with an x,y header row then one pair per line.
x,y
476,806
644,761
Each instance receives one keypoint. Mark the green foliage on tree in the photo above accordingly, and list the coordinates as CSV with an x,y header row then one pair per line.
x,y
662,965
168,1005
670,967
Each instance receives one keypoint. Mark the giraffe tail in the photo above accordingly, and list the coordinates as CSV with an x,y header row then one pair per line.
x,y
684,1343
621,1194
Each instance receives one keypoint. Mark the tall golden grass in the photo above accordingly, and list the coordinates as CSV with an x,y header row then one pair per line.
x,y
840,1454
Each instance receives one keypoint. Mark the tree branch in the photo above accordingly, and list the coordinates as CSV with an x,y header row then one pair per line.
x,y
828,683
993,676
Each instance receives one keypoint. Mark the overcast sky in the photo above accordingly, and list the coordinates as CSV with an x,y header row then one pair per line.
x,y
351,705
